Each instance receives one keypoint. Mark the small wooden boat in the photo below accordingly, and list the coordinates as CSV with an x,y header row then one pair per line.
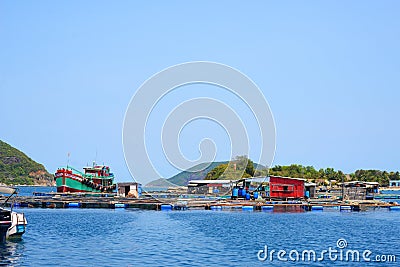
x,y
12,224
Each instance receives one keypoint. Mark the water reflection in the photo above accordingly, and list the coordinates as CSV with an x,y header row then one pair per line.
x,y
11,253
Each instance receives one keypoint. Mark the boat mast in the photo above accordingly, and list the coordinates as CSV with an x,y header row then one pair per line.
x,y
68,159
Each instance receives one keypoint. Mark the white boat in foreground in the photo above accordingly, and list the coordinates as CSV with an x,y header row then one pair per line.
x,y
12,224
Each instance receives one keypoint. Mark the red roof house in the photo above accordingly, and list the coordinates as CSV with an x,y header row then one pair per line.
x,y
286,187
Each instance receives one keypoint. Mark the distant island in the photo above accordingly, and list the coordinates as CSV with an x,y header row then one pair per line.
x,y
182,178
16,168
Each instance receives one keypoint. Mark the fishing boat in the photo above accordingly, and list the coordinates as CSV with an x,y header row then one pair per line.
x,y
12,224
95,179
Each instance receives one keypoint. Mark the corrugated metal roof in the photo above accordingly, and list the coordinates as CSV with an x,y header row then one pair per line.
x,y
258,179
211,181
291,178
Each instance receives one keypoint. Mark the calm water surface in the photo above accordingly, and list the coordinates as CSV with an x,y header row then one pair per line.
x,y
28,190
99,237
89,237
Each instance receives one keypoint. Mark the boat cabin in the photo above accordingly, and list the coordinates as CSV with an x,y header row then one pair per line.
x,y
98,171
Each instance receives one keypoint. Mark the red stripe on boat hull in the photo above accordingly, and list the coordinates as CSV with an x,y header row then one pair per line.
x,y
66,189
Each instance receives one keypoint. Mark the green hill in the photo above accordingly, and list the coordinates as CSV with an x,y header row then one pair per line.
x,y
18,168
241,167
182,178
162,182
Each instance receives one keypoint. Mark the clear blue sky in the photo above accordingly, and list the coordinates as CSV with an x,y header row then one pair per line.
x,y
330,71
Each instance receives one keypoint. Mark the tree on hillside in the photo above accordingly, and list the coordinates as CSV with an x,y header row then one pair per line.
x,y
215,173
250,168
245,167
239,167
307,172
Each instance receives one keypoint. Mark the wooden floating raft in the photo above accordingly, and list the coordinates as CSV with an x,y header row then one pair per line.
x,y
76,201
292,207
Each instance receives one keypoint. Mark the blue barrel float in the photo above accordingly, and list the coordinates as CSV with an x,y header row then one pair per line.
x,y
166,207
216,208
394,208
235,192
255,195
317,208
247,208
345,208
119,205
74,205
247,196
267,208
242,192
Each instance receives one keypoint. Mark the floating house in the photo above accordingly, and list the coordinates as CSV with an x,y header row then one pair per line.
x,y
130,189
252,187
394,183
253,183
286,187
310,190
210,186
359,190
272,186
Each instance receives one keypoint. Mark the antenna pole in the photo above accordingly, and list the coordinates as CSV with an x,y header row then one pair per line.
x,y
68,159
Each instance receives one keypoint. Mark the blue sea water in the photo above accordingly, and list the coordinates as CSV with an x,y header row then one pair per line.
x,y
29,190
393,192
100,237
129,237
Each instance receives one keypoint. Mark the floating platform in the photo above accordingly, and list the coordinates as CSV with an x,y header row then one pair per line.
x,y
78,201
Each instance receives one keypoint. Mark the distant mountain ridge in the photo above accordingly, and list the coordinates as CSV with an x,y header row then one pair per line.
x,y
183,178
16,168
